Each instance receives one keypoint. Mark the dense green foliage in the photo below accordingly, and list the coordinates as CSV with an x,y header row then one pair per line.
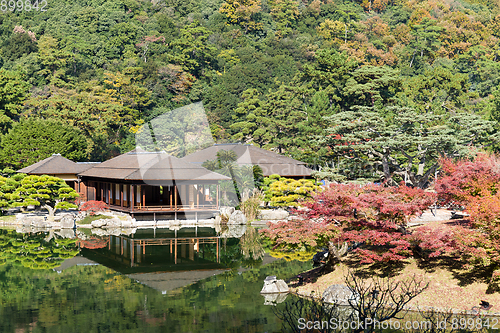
x,y
278,74
33,140
287,192
48,192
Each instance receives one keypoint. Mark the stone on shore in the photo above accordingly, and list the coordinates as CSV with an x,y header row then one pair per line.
x,y
268,214
67,221
237,217
339,294
226,211
99,223
272,285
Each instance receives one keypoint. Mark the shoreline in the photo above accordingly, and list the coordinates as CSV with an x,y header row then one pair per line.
x,y
432,299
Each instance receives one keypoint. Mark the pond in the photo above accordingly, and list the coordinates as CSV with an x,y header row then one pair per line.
x,y
183,279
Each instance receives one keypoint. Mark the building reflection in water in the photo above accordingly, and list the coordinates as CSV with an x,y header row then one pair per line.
x,y
148,249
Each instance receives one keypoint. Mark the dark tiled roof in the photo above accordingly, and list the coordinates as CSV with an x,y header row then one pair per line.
x,y
270,162
154,167
56,164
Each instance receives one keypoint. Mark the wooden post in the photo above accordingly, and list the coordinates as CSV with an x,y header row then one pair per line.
x,y
175,192
170,188
109,244
197,196
143,196
217,197
109,193
121,245
121,195
132,202
101,185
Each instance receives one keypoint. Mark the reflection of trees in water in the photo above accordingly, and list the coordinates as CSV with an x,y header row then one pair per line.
x,y
251,244
35,250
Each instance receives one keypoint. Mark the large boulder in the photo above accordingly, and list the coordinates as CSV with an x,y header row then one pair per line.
x,y
37,222
272,285
340,294
99,223
226,211
237,217
67,221
268,214
114,223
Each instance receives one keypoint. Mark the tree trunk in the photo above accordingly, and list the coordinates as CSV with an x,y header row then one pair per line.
x,y
386,169
334,255
51,212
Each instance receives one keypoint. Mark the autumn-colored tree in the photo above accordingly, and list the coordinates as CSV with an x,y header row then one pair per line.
x,y
93,207
475,242
241,13
372,218
475,186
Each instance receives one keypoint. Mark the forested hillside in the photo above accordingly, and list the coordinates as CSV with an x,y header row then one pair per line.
x,y
359,89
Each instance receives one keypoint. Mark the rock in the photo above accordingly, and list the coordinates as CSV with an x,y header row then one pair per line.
x,y
267,214
99,223
218,219
114,223
339,294
37,222
237,217
67,221
127,224
80,216
226,211
272,285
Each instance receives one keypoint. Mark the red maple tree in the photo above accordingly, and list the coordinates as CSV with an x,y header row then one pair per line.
x,y
373,218
93,207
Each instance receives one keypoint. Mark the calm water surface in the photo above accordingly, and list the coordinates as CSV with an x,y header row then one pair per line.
x,y
181,280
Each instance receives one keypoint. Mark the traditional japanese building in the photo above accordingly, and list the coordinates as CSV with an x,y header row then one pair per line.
x,y
270,162
152,182
59,166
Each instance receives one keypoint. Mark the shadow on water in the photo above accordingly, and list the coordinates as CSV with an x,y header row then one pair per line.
x,y
183,279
